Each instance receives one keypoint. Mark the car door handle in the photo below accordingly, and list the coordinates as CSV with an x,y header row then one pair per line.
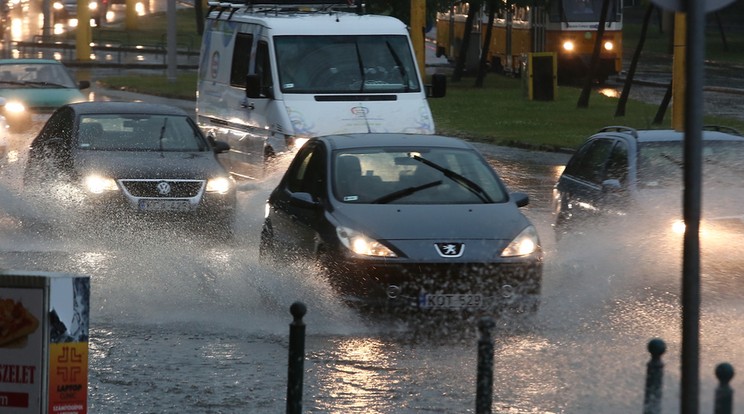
x,y
246,104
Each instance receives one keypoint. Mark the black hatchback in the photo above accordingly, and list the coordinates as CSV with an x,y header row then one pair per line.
x,y
132,157
421,222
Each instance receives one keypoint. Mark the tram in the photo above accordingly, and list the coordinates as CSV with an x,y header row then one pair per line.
x,y
567,28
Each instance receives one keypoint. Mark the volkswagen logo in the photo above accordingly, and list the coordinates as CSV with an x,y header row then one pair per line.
x,y
164,188
450,249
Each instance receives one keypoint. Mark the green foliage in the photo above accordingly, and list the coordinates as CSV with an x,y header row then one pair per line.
x,y
183,87
500,113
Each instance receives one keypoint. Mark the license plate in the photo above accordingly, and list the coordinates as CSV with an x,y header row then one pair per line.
x,y
451,301
164,205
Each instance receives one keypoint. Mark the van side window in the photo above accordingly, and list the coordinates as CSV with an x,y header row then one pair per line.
x,y
263,66
241,59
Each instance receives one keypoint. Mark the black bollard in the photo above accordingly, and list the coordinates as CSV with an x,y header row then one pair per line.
x,y
724,393
296,358
484,389
654,376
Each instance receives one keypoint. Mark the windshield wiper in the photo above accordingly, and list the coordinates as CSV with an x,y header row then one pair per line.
x,y
465,182
361,66
405,192
44,84
162,134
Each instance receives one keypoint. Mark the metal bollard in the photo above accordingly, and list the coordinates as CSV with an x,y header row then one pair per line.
x,y
296,358
654,376
484,388
724,393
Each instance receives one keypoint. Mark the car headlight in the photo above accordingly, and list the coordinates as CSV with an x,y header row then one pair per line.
x,y
97,184
15,107
58,5
608,46
361,244
568,46
298,142
527,242
219,185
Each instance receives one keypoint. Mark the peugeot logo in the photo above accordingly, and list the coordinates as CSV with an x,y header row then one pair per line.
x,y
164,188
450,249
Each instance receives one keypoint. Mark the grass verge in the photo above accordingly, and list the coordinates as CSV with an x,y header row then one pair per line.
x,y
498,113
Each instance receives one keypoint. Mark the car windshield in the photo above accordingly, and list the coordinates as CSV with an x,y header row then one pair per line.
x,y
38,75
414,176
661,164
345,64
139,132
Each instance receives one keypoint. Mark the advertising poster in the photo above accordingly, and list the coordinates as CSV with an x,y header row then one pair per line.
x,y
68,345
21,348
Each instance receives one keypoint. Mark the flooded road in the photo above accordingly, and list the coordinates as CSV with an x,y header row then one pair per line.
x,y
180,323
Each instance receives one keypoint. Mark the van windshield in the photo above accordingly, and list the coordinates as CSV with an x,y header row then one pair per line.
x,y
346,64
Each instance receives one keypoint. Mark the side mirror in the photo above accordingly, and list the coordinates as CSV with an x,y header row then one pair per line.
x,y
220,146
304,200
611,185
520,199
252,86
438,87
83,84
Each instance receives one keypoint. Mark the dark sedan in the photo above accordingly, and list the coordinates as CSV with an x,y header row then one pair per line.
x,y
628,183
413,221
139,158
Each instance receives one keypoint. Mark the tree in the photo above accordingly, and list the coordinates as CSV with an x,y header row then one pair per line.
x,y
199,14
622,102
483,67
465,44
590,76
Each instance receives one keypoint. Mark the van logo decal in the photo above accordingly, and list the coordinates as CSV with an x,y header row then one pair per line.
x,y
360,110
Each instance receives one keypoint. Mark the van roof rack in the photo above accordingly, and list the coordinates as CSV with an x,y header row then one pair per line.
x,y
287,5
620,128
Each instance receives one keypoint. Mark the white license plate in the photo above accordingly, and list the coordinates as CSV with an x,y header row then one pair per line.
x,y
451,301
164,205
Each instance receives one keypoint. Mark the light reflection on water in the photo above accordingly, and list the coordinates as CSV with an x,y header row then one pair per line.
x,y
180,323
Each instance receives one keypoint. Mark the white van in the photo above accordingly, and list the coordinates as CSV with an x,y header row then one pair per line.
x,y
273,74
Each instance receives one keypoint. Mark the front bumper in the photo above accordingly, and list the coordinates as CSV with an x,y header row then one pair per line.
x,y
186,199
514,283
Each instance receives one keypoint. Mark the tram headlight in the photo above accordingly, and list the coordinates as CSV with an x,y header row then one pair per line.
x,y
608,45
568,46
